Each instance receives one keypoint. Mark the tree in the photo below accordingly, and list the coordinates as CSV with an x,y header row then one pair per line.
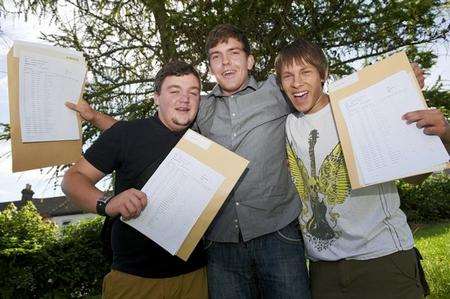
x,y
24,229
125,41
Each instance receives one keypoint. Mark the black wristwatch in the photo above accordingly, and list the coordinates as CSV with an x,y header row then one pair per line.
x,y
101,205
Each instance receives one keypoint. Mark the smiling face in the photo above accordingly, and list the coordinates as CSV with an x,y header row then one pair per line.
x,y
230,64
178,101
303,84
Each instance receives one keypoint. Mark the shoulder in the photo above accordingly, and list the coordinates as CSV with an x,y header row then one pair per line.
x,y
271,81
294,125
294,117
206,103
271,87
131,125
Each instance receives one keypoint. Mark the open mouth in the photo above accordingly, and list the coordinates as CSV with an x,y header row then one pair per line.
x,y
228,74
301,95
183,109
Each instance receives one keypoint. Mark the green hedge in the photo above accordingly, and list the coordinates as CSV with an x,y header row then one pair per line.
x,y
62,264
427,202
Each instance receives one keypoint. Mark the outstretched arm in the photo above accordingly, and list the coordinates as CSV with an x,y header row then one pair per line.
x,y
97,119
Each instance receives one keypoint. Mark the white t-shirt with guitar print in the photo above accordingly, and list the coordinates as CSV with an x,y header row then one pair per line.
x,y
337,222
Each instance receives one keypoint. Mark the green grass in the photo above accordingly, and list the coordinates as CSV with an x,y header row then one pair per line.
x,y
433,242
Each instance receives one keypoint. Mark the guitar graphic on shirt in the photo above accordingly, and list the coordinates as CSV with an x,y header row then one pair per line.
x,y
317,225
331,181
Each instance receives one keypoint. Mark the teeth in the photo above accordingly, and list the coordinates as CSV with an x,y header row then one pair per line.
x,y
300,94
227,73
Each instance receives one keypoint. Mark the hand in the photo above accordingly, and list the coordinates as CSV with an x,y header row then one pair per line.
x,y
419,73
84,109
129,204
432,121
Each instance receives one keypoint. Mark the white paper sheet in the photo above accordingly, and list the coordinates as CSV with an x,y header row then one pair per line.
x,y
45,84
177,193
385,147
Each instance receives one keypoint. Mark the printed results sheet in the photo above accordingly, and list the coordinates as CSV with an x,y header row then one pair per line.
x,y
385,147
177,193
46,83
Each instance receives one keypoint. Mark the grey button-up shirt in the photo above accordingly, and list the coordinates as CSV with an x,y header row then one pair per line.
x,y
251,123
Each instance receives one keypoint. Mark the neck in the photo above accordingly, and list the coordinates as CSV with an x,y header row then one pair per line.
x,y
230,93
321,102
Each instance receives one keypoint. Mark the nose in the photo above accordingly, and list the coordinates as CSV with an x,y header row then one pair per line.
x,y
225,59
298,81
184,97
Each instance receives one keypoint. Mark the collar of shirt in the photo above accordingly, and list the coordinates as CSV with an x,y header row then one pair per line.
x,y
217,90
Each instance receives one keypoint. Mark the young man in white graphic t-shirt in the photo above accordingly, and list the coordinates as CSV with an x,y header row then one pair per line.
x,y
358,241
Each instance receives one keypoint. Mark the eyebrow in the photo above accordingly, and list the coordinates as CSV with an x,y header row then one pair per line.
x,y
179,87
228,50
302,68
235,48
174,86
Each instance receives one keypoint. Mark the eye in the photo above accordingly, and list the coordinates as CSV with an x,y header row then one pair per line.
x,y
195,94
236,52
174,91
214,57
286,76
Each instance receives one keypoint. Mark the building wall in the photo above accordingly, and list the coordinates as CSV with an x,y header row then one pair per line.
x,y
68,219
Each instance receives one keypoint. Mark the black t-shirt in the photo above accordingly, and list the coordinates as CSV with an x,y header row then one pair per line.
x,y
134,150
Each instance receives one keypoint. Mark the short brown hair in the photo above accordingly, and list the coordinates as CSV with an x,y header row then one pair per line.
x,y
174,68
301,51
221,33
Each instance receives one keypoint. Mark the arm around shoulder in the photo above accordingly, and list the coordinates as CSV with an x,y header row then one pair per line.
x,y
97,119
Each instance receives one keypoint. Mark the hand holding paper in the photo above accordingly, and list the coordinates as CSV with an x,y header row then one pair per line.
x,y
129,204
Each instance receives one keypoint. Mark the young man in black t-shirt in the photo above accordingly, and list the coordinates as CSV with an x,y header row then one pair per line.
x,y
134,149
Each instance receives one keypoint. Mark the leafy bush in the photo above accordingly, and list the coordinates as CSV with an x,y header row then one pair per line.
x,y
427,202
37,260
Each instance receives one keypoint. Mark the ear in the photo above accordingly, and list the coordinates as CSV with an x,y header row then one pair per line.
x,y
156,98
209,68
250,62
325,77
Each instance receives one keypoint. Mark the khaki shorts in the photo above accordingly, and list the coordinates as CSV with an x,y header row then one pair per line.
x,y
389,277
117,284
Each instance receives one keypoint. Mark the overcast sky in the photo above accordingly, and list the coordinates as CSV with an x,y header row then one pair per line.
x,y
17,29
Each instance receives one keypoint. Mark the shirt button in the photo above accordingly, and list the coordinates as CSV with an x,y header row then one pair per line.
x,y
234,134
234,114
236,226
237,203
235,220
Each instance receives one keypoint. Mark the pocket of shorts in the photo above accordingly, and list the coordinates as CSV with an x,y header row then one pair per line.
x,y
289,234
406,264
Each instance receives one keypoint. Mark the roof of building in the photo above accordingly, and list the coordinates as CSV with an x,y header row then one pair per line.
x,y
49,207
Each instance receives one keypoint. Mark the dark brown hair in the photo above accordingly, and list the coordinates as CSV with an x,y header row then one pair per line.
x,y
301,51
221,33
174,68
